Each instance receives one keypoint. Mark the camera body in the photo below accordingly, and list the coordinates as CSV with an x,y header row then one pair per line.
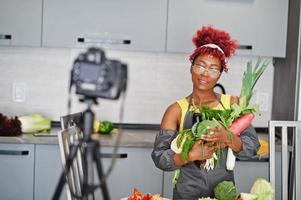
x,y
96,76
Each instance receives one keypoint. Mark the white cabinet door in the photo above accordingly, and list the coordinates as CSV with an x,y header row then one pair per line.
x,y
135,169
115,24
260,27
167,184
48,168
16,171
246,172
20,22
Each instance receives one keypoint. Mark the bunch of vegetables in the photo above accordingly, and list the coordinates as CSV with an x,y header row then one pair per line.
x,y
185,140
138,196
234,120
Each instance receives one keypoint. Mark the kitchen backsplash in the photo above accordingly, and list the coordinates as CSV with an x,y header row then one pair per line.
x,y
155,81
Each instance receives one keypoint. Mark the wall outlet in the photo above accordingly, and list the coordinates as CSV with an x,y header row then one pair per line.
x,y
262,99
19,92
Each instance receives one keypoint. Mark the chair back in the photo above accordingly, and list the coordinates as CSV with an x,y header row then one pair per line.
x,y
290,158
68,138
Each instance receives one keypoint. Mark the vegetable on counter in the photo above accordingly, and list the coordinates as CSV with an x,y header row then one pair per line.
x,y
247,196
103,127
9,126
261,190
35,123
225,190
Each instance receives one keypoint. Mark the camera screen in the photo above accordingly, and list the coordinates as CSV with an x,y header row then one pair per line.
x,y
89,72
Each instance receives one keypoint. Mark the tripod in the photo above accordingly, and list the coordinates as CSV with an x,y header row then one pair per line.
x,y
90,155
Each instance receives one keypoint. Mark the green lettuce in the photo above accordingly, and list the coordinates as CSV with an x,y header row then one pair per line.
x,y
263,189
225,190
35,123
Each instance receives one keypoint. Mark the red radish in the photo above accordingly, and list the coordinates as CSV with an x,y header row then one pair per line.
x,y
241,123
237,127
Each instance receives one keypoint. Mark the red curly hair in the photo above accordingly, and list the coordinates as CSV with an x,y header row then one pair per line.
x,y
210,35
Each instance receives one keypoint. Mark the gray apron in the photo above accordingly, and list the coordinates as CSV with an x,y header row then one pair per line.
x,y
195,182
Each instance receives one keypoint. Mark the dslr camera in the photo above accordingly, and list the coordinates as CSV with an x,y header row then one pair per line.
x,y
96,76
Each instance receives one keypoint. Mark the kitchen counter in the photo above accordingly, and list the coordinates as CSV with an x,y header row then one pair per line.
x,y
129,138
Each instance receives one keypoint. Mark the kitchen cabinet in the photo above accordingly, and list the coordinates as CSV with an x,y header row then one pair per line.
x,y
167,184
48,168
20,22
260,27
134,169
114,24
16,171
246,172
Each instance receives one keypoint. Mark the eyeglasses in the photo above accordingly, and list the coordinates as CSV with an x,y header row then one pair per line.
x,y
200,69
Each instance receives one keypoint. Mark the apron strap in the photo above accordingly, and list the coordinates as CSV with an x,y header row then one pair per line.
x,y
190,117
219,101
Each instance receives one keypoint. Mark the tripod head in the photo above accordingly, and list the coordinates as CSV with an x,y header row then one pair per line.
x,y
89,100
88,117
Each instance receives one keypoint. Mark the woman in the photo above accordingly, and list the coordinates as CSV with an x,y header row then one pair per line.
x,y
213,48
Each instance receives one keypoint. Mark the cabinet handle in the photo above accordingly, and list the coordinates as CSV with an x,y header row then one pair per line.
x,y
245,47
103,41
13,152
5,37
110,155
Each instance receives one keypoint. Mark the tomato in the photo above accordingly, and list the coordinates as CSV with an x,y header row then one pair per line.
x,y
137,193
147,197
136,196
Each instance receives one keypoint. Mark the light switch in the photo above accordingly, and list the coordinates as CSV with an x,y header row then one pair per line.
x,y
262,99
19,92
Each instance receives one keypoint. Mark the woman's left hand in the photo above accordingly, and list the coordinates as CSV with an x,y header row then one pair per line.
x,y
219,135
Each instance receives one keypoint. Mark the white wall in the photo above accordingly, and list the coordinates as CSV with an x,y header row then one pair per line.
x,y
155,81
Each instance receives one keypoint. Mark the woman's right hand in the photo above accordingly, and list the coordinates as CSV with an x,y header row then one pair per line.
x,y
201,152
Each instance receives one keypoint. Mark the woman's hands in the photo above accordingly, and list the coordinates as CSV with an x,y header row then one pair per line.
x,y
201,152
197,153
219,135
